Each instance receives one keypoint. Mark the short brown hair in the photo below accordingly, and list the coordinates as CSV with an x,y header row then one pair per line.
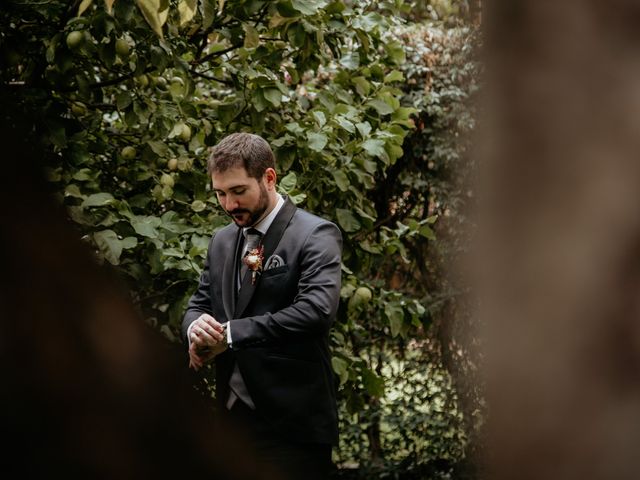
x,y
242,150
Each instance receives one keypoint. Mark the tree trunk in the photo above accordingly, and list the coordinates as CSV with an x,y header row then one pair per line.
x,y
561,228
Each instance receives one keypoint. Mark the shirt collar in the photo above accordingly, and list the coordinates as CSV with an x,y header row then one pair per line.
x,y
263,225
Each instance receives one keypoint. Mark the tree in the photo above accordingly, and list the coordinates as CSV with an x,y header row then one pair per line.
x,y
130,95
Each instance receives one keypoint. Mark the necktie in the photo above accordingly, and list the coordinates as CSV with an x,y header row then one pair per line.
x,y
236,382
253,237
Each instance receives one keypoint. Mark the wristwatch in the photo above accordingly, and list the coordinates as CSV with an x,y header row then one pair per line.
x,y
225,336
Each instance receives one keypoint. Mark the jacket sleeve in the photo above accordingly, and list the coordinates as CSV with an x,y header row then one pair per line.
x,y
200,301
316,303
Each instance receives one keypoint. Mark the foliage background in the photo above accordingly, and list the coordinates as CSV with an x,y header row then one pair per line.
x,y
367,107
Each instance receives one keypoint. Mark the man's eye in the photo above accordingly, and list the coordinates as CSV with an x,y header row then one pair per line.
x,y
239,192
221,194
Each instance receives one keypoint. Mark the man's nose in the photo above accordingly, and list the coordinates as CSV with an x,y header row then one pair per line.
x,y
232,203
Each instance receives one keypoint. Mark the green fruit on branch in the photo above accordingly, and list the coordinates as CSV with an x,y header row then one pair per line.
x,y
129,153
75,40
361,296
160,83
173,164
78,109
364,294
142,81
122,48
185,133
167,180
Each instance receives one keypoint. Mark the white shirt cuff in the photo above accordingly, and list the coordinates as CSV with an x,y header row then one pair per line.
x,y
229,341
189,332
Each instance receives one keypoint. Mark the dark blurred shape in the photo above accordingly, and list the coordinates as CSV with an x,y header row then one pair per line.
x,y
561,232
87,388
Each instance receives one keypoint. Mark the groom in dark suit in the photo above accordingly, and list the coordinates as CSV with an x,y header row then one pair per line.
x,y
266,300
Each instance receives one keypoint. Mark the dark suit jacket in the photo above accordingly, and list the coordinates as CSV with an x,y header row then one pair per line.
x,y
280,325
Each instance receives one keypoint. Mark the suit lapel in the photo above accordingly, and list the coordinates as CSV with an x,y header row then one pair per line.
x,y
229,279
270,242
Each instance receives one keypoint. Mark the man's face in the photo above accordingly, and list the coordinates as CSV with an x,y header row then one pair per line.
x,y
244,198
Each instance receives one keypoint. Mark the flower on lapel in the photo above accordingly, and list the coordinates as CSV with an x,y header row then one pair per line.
x,y
253,260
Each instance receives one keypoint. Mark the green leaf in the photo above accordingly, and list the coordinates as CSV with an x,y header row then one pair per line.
x,y
370,166
146,226
129,242
173,252
109,244
426,232
367,247
72,190
187,10
374,147
394,76
346,124
350,61
317,141
208,12
363,87
298,199
308,7
340,366
368,22
273,96
294,127
347,220
277,20
108,5
85,174
83,6
364,128
259,102
372,383
159,147
396,52
155,13
342,181
382,107
251,37
395,315
403,113
321,119
288,183
123,100
98,200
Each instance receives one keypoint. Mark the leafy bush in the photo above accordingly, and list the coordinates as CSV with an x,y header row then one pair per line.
x,y
364,116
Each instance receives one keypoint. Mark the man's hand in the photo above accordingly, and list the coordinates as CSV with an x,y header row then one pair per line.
x,y
207,338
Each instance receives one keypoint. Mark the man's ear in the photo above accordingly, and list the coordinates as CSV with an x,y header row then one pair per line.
x,y
270,177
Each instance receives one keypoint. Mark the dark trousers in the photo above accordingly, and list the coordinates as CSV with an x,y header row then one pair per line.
x,y
291,461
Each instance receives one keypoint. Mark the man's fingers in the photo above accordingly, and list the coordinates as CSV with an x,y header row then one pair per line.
x,y
207,319
194,360
207,334
206,340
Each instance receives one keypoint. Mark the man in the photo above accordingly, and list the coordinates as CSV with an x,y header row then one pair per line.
x,y
266,299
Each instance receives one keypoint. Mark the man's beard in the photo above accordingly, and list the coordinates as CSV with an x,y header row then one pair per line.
x,y
255,214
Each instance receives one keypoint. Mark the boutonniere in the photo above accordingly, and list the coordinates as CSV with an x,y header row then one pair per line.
x,y
253,260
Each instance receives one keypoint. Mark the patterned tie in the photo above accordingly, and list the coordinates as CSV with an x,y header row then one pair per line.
x,y
253,237
236,382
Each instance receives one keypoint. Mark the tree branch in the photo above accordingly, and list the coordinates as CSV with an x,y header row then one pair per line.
x,y
215,54
229,83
